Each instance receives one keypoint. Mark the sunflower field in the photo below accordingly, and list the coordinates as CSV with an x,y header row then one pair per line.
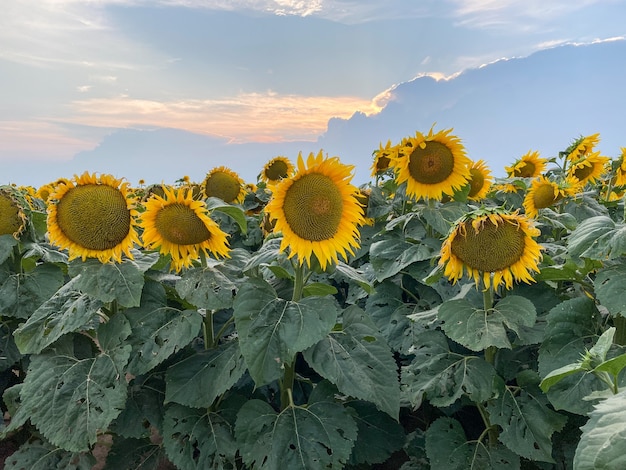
x,y
436,317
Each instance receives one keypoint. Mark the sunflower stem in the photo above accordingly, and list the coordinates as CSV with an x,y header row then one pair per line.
x,y
202,259
207,330
491,430
620,330
490,352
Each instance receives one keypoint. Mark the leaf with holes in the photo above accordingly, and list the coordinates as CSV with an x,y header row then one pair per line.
x,y
207,288
38,455
22,293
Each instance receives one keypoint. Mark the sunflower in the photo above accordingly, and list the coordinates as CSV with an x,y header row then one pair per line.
x,y
317,210
620,171
13,209
528,165
582,147
382,158
545,193
276,169
223,183
93,217
480,181
432,165
179,225
588,169
492,243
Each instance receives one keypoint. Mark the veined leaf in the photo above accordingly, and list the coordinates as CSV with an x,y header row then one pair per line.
x,y
38,455
134,454
7,242
391,255
609,287
236,213
207,288
598,238
21,294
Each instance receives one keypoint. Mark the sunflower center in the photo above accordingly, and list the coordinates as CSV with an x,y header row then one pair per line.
x,y
432,164
277,170
544,196
583,172
382,163
94,216
527,170
223,186
179,224
477,182
10,221
313,207
493,248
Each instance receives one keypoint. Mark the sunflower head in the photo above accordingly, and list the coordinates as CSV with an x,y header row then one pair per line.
x,y
432,165
528,165
382,158
317,210
14,211
620,169
276,169
491,245
545,193
93,217
179,225
225,184
480,181
581,147
588,169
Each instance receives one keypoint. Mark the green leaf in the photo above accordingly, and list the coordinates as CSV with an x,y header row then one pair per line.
x,y
603,440
9,354
70,399
391,255
22,294
609,287
354,275
442,217
320,436
207,288
442,377
66,311
121,282
446,445
272,330
7,242
477,329
37,455
598,238
612,366
134,454
198,380
359,362
559,374
527,424
142,411
378,434
236,213
599,350
319,289
197,439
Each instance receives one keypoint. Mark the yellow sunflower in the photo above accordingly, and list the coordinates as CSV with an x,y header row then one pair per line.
x,y
545,193
588,169
317,210
528,165
432,165
276,169
223,183
180,226
494,246
93,217
620,171
13,209
382,158
582,147
480,181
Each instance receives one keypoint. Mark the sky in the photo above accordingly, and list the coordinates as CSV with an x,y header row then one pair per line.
x,y
74,71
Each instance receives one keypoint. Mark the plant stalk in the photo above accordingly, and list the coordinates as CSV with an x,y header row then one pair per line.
x,y
620,330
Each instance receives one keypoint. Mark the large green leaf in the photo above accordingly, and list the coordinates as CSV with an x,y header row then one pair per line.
x,y
477,329
359,362
272,330
21,294
66,311
9,354
603,440
134,454
70,398
609,287
441,218
196,439
391,255
527,424
236,213
7,242
198,380
319,436
442,376
598,238
143,410
446,445
121,282
206,288
38,455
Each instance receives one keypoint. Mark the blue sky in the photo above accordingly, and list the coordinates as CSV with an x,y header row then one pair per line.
x,y
72,72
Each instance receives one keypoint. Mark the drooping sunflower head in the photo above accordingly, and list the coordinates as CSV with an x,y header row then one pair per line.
x,y
545,193
480,181
14,209
93,217
582,147
432,165
382,158
588,169
529,165
276,169
494,246
317,210
225,184
179,225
